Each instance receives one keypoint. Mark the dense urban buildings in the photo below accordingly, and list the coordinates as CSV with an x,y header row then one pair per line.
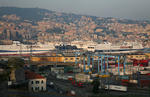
x,y
51,26
46,53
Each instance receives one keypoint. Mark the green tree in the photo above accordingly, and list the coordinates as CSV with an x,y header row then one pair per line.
x,y
4,77
15,62
96,84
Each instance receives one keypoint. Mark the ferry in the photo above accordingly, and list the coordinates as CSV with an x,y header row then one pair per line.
x,y
17,48
110,48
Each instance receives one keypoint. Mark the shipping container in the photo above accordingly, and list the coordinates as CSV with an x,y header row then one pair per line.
x,y
145,83
144,72
115,88
124,77
82,77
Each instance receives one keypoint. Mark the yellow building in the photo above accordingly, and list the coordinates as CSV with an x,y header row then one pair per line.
x,y
70,59
139,56
55,59
12,75
147,55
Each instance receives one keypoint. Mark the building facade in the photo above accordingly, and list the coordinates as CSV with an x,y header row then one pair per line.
x,y
37,85
36,82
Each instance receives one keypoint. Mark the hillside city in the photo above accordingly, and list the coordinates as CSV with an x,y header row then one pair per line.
x,y
56,26
45,53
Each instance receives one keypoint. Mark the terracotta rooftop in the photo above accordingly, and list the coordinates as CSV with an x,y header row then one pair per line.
x,y
32,75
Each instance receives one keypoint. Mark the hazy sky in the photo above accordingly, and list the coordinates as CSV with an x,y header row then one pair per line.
x,y
132,9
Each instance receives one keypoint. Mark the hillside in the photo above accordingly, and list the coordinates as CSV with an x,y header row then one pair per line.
x,y
37,24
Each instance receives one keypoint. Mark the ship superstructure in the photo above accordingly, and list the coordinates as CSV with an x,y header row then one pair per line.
x,y
19,48
107,47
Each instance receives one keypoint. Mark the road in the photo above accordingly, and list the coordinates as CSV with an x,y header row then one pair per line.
x,y
66,85
87,90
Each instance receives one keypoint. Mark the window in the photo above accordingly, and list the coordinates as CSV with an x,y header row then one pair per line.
x,y
71,58
42,88
32,89
31,82
36,88
42,81
37,82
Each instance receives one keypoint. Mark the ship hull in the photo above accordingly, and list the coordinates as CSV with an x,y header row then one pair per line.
x,y
21,49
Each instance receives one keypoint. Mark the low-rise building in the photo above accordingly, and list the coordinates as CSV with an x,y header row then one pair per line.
x,y
17,75
137,57
147,55
1,70
82,77
61,58
36,82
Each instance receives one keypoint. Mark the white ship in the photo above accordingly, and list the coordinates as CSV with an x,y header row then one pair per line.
x,y
107,47
125,47
86,45
19,48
